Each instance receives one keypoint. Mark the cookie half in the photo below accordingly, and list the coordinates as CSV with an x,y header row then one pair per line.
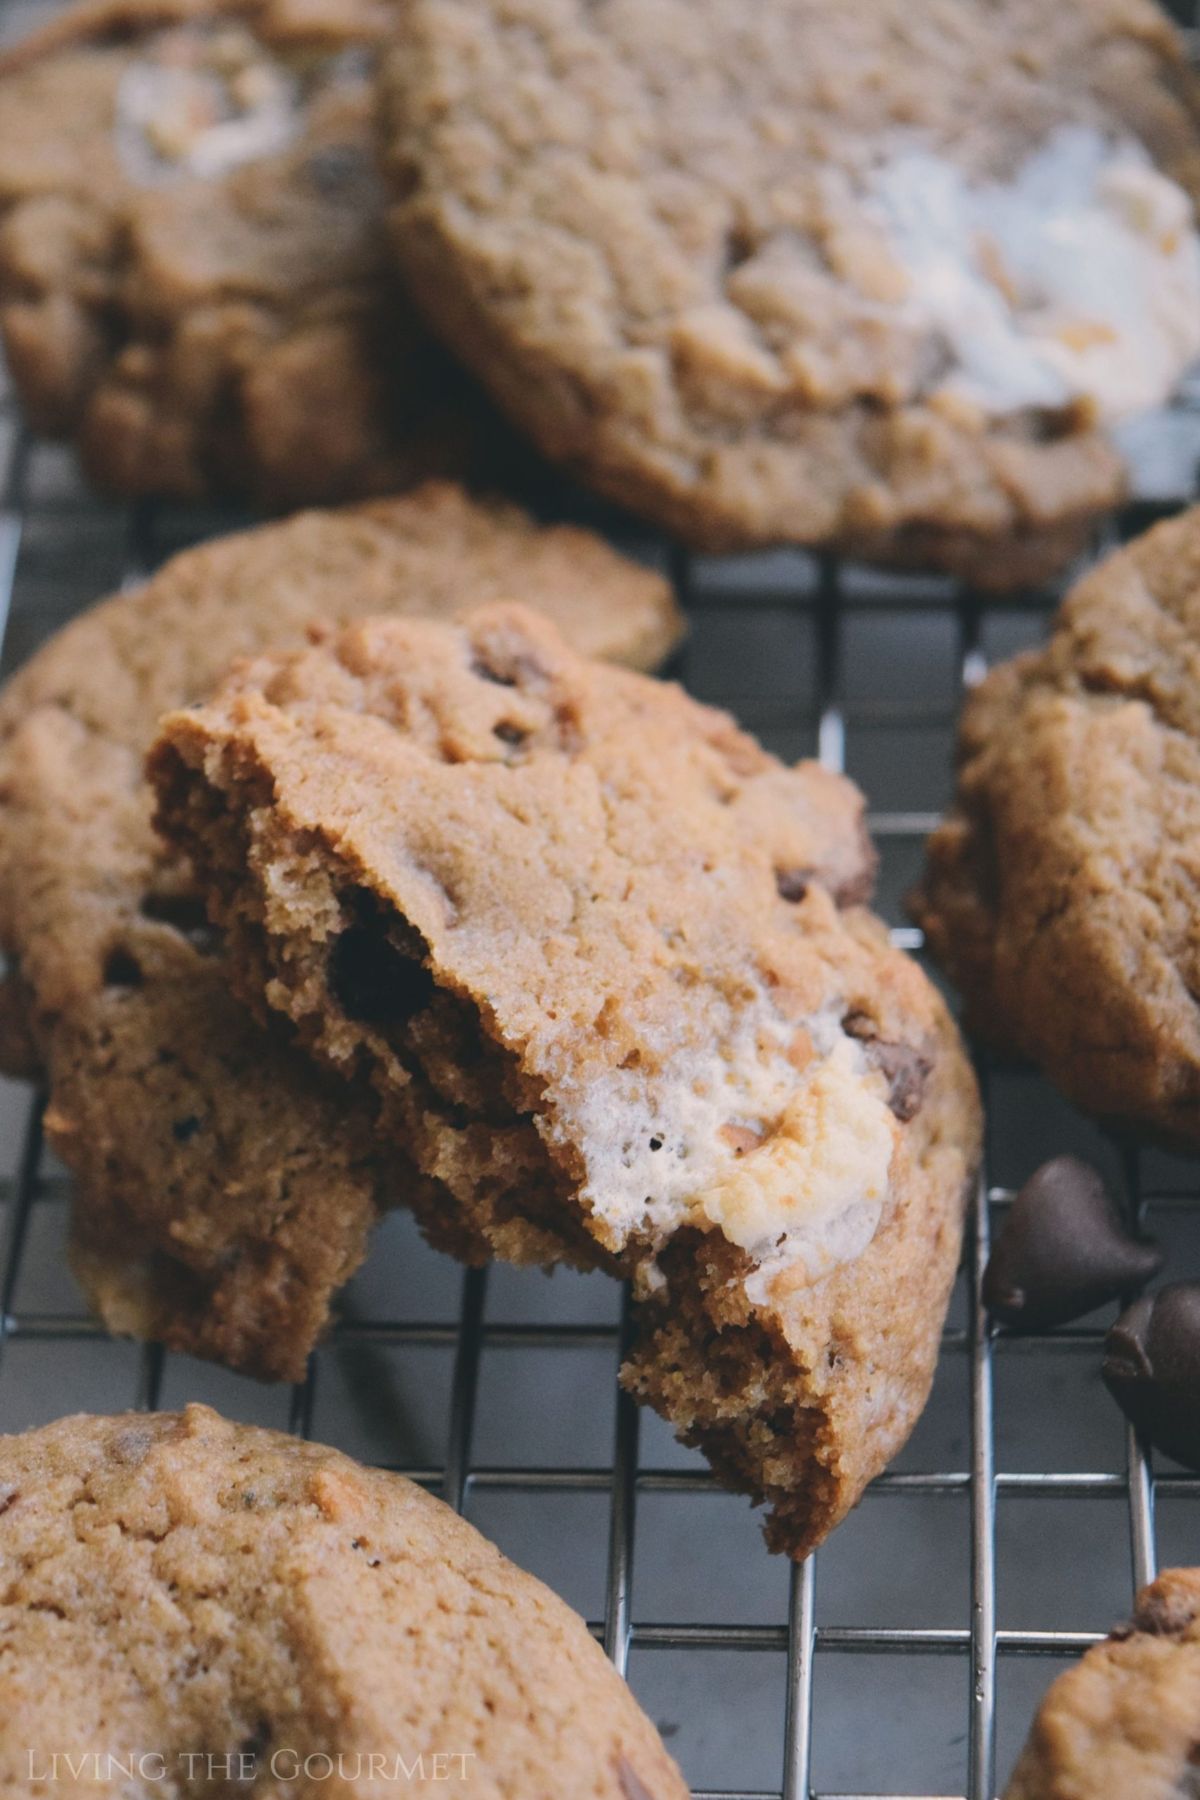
x,y
224,1189
185,1590
605,965
193,279
1124,1721
874,277
1060,892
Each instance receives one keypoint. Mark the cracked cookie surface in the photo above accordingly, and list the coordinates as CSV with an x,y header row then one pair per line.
x,y
1126,1720
1060,891
224,1190
605,965
193,280
177,1590
858,276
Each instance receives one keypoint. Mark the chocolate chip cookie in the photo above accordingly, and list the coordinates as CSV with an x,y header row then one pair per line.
x,y
223,1605
605,966
1060,893
224,1188
876,277
1125,1721
193,279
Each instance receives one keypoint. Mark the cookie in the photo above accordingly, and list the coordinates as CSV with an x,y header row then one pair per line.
x,y
1124,1721
193,274
224,1189
872,277
179,1591
606,967
1060,891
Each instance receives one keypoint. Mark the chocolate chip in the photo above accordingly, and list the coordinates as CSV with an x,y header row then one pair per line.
x,y
122,969
906,1071
184,1130
793,883
376,983
185,914
904,1067
1063,1250
509,667
509,733
1152,1369
257,1744
740,245
336,167
487,672
1164,1610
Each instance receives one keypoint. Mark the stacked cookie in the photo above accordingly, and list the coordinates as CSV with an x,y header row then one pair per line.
x,y
224,1189
880,277
596,984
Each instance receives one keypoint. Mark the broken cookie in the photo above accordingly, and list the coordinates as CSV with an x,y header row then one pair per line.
x,y
224,1188
543,912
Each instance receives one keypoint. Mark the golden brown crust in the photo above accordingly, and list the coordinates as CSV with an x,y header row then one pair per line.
x,y
225,1189
1060,890
174,1586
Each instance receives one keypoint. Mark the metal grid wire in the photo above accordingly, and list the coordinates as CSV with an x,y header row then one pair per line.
x,y
830,606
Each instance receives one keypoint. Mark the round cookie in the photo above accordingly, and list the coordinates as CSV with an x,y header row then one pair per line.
x,y
684,1053
871,277
193,279
224,1191
1124,1721
179,1590
1060,892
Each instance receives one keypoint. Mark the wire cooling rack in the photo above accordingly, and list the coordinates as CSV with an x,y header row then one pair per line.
x,y
906,1657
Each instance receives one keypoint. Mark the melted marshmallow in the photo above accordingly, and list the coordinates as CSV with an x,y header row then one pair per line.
x,y
1076,281
175,120
813,1191
807,1195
